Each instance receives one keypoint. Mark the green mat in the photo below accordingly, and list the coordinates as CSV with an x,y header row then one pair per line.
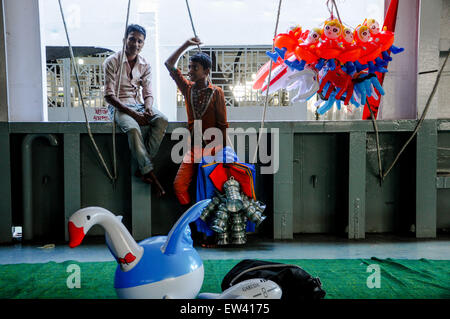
x,y
341,278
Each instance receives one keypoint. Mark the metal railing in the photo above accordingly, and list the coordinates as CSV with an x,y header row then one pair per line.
x,y
91,76
234,70
62,92
55,85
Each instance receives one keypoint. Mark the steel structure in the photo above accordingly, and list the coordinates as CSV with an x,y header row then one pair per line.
x,y
234,69
60,73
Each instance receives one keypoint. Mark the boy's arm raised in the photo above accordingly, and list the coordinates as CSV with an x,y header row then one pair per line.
x,y
172,60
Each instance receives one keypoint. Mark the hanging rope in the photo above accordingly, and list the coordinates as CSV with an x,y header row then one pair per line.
x,y
419,124
192,24
377,139
195,35
118,90
330,8
337,10
268,84
113,178
422,118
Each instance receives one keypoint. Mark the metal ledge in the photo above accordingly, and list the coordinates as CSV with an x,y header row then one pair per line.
x,y
284,126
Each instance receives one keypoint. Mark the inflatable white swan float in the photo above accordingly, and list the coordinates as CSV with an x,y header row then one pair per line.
x,y
157,267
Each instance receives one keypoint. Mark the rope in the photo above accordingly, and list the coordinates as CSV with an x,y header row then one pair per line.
x,y
192,24
422,118
195,35
330,8
337,11
81,95
268,84
374,122
118,90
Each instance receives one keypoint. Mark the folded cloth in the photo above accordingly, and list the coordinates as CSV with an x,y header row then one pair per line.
x,y
241,173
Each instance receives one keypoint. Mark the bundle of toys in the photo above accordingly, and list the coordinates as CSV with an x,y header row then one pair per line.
x,y
341,65
227,214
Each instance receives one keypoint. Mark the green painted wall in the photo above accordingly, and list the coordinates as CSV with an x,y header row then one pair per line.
x,y
327,183
320,183
443,169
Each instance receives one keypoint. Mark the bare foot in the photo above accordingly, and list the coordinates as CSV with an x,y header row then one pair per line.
x,y
152,179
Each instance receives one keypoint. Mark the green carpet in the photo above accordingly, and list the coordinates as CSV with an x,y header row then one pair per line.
x,y
341,278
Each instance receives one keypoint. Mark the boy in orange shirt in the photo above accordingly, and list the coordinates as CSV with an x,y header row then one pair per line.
x,y
204,102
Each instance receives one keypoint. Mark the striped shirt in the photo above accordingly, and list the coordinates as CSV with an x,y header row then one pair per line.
x,y
132,80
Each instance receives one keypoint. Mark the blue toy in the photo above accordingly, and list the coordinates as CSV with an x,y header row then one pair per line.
x,y
157,267
365,88
328,104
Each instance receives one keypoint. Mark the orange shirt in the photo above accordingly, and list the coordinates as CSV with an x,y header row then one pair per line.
x,y
216,112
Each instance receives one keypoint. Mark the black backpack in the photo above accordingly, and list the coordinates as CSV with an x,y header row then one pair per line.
x,y
295,283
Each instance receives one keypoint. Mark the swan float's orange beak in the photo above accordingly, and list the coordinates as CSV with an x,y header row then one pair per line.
x,y
76,235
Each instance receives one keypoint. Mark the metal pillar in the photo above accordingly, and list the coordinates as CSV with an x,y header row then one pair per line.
x,y
4,114
27,175
72,177
357,185
5,186
426,190
283,189
26,61
141,208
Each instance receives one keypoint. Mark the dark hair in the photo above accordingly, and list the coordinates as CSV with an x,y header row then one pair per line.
x,y
135,28
203,59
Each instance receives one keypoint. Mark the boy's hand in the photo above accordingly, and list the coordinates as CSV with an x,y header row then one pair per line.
x,y
193,41
140,118
148,112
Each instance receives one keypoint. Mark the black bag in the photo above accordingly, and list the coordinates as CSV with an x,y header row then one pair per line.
x,y
295,283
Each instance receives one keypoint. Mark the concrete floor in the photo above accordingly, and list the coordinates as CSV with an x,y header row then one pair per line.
x,y
302,247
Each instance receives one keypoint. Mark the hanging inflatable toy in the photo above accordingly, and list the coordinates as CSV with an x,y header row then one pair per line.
x,y
306,82
370,50
337,84
388,25
306,52
285,43
329,102
282,42
155,268
385,38
263,72
339,63
279,77
286,75
329,48
338,81
351,51
289,77
367,85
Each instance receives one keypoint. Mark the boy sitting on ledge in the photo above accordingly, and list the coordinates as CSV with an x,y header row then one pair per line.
x,y
134,114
